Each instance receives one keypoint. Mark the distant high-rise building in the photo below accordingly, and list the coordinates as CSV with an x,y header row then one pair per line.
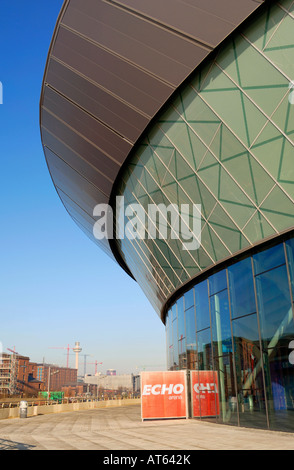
x,y
111,372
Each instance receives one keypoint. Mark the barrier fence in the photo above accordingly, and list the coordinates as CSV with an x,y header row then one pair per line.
x,y
12,409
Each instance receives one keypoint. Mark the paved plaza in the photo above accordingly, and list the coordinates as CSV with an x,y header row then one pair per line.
x,y
122,429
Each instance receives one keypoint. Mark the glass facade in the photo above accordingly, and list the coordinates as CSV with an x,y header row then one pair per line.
x,y
225,141
238,322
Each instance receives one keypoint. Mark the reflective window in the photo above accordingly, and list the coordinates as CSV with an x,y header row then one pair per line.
x,y
290,256
241,288
190,326
175,348
274,304
181,334
181,319
217,282
277,333
204,349
220,322
280,388
268,259
175,338
226,389
170,329
246,329
202,306
189,299
248,346
169,336
191,338
167,329
250,390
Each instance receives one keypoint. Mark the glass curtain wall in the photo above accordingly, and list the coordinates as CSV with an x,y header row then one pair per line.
x,y
238,323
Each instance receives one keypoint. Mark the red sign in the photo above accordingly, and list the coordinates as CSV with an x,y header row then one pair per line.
x,y
164,394
205,396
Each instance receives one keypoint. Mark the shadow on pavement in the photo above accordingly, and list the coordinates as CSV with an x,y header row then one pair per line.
x,y
5,444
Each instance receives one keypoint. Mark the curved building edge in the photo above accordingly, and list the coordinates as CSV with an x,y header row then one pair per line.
x,y
277,197
111,248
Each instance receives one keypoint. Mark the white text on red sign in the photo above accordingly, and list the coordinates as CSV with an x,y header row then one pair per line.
x,y
208,387
162,389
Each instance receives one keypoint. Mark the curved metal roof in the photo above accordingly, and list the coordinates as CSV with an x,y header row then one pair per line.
x,y
111,67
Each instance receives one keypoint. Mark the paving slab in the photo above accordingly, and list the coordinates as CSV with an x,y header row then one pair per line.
x,y
122,429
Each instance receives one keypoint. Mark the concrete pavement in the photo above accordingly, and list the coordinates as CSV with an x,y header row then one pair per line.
x,y
122,429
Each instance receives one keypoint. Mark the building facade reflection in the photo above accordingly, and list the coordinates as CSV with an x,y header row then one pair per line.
x,y
246,310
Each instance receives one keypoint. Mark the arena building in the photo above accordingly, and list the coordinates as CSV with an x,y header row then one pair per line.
x,y
176,104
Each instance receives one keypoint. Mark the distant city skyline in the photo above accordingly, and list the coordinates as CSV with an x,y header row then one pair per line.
x,y
56,285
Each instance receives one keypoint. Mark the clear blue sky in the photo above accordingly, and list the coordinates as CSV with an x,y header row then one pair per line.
x,y
57,287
